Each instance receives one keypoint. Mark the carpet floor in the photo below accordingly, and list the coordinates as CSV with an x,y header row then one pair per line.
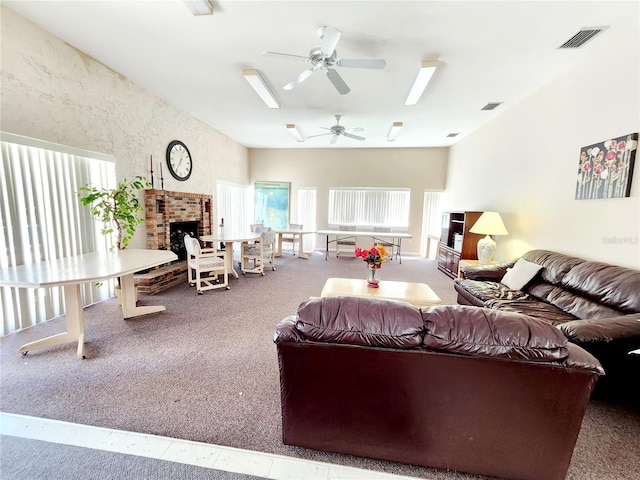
x,y
206,370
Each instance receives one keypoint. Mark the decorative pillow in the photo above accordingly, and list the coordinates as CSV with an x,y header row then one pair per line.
x,y
520,274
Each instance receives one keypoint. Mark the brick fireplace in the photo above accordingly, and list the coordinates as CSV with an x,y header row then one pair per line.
x,y
162,209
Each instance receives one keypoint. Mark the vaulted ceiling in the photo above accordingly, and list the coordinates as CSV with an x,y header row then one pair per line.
x,y
489,52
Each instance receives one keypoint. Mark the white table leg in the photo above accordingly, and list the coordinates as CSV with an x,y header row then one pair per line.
x,y
301,253
75,324
228,246
279,249
129,308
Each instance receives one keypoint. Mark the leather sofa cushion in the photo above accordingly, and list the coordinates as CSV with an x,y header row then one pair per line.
x,y
487,291
533,308
556,265
360,321
490,333
604,330
610,285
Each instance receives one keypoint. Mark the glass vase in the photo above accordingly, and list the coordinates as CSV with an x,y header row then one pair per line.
x,y
373,275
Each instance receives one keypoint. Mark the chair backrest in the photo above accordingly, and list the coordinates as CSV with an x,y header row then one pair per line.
x,y
345,227
381,229
268,237
256,226
192,246
295,226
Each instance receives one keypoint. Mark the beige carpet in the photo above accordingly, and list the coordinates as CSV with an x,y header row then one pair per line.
x,y
206,370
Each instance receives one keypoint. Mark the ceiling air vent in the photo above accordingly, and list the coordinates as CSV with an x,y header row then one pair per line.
x,y
453,135
490,106
583,36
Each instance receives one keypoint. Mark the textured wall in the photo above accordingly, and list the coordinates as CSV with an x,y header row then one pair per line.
x,y
52,91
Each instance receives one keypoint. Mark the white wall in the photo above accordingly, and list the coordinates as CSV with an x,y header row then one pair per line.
x,y
525,163
417,168
53,92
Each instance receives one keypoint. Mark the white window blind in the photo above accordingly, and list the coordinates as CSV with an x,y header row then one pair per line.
x,y
307,216
370,207
42,219
431,218
235,205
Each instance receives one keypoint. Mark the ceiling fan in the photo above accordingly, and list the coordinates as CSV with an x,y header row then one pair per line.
x,y
324,57
338,130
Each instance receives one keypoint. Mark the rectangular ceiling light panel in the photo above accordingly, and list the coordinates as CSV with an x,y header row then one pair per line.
x,y
426,71
394,131
295,132
259,85
199,7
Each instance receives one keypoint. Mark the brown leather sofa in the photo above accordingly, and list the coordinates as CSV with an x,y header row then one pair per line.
x,y
596,305
450,387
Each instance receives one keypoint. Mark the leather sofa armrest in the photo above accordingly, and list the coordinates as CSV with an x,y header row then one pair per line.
x,y
605,330
493,272
286,330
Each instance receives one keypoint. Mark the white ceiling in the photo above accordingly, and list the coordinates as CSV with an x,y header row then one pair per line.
x,y
488,52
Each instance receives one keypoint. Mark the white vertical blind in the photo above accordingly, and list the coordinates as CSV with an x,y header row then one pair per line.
x,y
235,205
431,218
307,216
42,219
369,207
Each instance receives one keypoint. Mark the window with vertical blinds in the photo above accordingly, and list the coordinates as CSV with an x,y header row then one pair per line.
x,y
369,207
42,219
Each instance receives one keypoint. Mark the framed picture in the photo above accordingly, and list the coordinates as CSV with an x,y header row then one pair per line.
x,y
271,204
605,169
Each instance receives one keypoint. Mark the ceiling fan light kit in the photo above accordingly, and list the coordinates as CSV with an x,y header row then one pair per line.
x,y
295,132
426,71
394,131
199,7
260,86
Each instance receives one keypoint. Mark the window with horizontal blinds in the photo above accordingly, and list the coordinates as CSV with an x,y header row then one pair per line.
x,y
370,207
42,219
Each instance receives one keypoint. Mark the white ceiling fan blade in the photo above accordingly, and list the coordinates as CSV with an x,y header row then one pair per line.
x,y
330,37
361,63
286,56
300,78
355,137
337,81
319,135
356,129
334,139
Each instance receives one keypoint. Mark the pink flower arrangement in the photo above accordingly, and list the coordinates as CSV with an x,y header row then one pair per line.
x,y
376,254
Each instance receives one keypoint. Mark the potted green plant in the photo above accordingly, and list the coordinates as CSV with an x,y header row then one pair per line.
x,y
118,209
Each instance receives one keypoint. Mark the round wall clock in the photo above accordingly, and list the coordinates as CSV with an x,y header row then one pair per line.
x,y
179,160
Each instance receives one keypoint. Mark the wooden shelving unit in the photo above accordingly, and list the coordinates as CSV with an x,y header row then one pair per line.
x,y
456,242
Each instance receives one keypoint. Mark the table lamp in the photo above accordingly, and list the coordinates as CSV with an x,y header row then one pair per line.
x,y
489,223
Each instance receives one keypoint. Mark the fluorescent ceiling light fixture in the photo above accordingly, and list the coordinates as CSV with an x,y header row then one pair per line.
x,y
259,85
199,7
427,69
394,131
295,132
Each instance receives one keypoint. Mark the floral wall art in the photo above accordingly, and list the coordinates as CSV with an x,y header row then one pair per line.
x,y
606,168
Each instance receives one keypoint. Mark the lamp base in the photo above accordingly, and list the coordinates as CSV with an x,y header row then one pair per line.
x,y
486,249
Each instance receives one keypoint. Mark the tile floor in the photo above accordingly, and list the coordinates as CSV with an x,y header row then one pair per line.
x,y
181,451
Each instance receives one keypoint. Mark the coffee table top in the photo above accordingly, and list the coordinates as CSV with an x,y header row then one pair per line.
x,y
417,294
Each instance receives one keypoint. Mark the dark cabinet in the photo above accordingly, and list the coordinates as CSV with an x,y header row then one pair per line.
x,y
456,242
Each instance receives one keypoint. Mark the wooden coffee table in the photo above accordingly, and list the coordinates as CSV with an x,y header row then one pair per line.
x,y
417,294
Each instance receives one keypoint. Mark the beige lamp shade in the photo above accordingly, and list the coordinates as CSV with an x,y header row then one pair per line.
x,y
489,223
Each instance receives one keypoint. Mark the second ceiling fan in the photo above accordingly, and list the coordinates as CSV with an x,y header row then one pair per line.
x,y
338,130
324,57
